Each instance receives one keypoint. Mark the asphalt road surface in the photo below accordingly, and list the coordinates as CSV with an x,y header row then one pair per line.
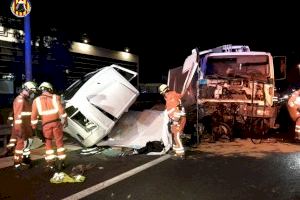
x,y
222,170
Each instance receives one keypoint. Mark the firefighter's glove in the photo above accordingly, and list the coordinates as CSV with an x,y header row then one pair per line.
x,y
175,118
64,122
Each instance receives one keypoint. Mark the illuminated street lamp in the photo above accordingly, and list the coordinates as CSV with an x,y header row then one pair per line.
x,y
126,49
85,41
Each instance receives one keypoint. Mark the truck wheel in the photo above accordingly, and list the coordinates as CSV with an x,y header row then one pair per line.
x,y
258,130
222,130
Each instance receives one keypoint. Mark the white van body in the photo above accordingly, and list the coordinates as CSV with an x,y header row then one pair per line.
x,y
96,102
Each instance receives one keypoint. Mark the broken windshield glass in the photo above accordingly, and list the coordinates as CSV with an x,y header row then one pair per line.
x,y
240,66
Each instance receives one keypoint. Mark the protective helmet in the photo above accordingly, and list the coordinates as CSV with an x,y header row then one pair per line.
x,y
163,88
29,86
46,86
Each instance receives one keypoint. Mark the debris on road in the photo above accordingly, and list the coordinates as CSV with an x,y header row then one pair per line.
x,y
65,178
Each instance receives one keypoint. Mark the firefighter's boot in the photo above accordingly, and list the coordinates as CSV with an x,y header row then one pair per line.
x,y
60,165
27,160
18,163
21,166
50,166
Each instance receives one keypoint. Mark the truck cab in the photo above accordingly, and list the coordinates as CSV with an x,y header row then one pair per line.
x,y
236,86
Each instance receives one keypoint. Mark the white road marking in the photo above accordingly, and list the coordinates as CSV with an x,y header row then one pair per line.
x,y
116,179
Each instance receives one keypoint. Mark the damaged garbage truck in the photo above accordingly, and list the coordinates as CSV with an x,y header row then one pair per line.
x,y
234,90
96,102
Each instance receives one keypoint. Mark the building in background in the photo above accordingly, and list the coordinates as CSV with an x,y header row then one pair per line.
x,y
53,60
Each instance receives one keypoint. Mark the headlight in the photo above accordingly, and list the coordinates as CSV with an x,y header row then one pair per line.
x,y
90,126
263,112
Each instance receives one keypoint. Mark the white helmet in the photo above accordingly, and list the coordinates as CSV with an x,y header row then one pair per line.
x,y
46,86
163,88
29,86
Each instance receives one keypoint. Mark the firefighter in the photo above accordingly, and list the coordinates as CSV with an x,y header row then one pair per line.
x,y
49,107
176,114
294,111
13,138
22,132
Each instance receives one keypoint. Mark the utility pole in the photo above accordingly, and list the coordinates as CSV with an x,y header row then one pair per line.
x,y
28,62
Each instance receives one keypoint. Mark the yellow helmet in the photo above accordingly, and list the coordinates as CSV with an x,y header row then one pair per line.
x,y
46,86
163,88
30,86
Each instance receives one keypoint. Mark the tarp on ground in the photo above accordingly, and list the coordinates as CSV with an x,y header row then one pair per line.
x,y
135,129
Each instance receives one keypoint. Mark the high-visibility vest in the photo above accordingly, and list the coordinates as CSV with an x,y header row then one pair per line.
x,y
294,105
22,111
173,105
49,107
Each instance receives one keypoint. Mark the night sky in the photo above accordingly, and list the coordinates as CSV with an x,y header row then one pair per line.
x,y
164,34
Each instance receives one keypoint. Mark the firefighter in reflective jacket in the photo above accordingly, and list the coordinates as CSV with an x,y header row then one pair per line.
x,y
294,111
176,114
22,132
49,107
13,137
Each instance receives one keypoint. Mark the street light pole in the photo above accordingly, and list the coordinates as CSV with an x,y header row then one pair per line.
x,y
28,63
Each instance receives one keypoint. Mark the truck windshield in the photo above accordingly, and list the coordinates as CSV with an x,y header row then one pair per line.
x,y
255,67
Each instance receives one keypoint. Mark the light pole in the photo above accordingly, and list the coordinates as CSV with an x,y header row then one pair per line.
x,y
28,63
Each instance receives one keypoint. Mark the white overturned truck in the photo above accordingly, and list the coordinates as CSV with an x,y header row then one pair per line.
x,y
96,102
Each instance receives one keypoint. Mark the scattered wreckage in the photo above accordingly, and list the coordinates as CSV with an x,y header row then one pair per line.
x,y
98,105
230,88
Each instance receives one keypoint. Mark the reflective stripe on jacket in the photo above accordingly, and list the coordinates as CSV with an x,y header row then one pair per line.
x,y
294,105
173,102
49,107
22,111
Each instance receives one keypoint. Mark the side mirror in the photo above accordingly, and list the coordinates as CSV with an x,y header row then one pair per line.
x,y
279,67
